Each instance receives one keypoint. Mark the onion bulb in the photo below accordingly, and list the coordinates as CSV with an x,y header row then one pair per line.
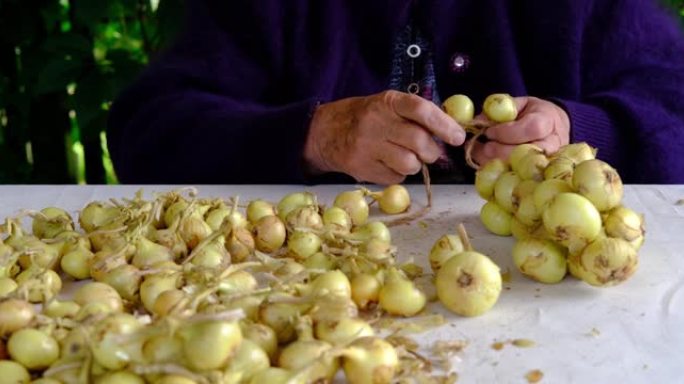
x,y
263,336
503,190
372,230
532,166
342,331
50,222
399,296
153,285
119,377
42,285
572,220
577,152
522,231
337,219
623,223
500,107
496,219
606,262
294,200
541,260
95,292
469,284
487,175
355,204
547,190
248,360
15,314
393,200
304,217
320,261
444,248
211,344
256,209
598,182
301,245
163,348
125,279
13,372
97,214
148,253
32,348
7,286
193,229
60,309
269,234
272,375
460,108
332,284
365,290
521,151
370,360
240,245
560,168
114,345
76,263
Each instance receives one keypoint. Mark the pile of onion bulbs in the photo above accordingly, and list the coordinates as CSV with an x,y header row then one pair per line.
x,y
566,212
182,289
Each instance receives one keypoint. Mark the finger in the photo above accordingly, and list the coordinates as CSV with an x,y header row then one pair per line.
x,y
484,152
426,114
416,140
400,159
379,173
531,127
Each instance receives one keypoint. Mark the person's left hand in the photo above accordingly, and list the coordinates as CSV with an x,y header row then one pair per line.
x,y
539,122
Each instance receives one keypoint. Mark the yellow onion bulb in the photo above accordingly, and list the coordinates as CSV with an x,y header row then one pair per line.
x,y
547,190
460,108
598,182
444,248
500,107
607,261
577,152
469,284
572,220
623,223
496,219
560,168
541,260
503,190
487,175
355,204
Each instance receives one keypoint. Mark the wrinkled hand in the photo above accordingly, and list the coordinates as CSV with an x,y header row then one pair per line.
x,y
380,138
539,122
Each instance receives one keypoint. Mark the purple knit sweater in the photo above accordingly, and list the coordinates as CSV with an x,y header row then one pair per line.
x,y
232,100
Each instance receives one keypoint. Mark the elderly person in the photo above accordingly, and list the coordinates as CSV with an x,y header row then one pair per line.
x,y
340,90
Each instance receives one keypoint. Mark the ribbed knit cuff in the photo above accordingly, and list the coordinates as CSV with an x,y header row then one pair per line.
x,y
595,126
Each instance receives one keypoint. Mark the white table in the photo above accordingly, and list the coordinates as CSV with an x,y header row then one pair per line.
x,y
631,333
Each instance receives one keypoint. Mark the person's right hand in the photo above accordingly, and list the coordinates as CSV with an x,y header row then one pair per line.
x,y
380,138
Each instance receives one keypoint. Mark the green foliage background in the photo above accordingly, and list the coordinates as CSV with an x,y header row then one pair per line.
x,y
62,62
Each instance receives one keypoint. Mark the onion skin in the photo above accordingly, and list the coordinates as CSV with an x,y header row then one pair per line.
x,y
624,223
370,360
598,182
576,152
540,260
469,284
572,220
503,190
496,219
606,262
460,108
444,248
500,107
487,175
355,204
521,151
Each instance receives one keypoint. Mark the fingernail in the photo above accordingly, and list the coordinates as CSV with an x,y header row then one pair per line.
x,y
458,138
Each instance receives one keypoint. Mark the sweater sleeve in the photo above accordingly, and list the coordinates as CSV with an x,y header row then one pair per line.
x,y
632,90
210,109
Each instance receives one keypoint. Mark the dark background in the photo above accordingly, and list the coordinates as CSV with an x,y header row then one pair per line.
x,y
62,62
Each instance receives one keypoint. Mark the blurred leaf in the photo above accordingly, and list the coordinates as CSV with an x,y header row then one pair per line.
x,y
92,91
69,43
57,74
